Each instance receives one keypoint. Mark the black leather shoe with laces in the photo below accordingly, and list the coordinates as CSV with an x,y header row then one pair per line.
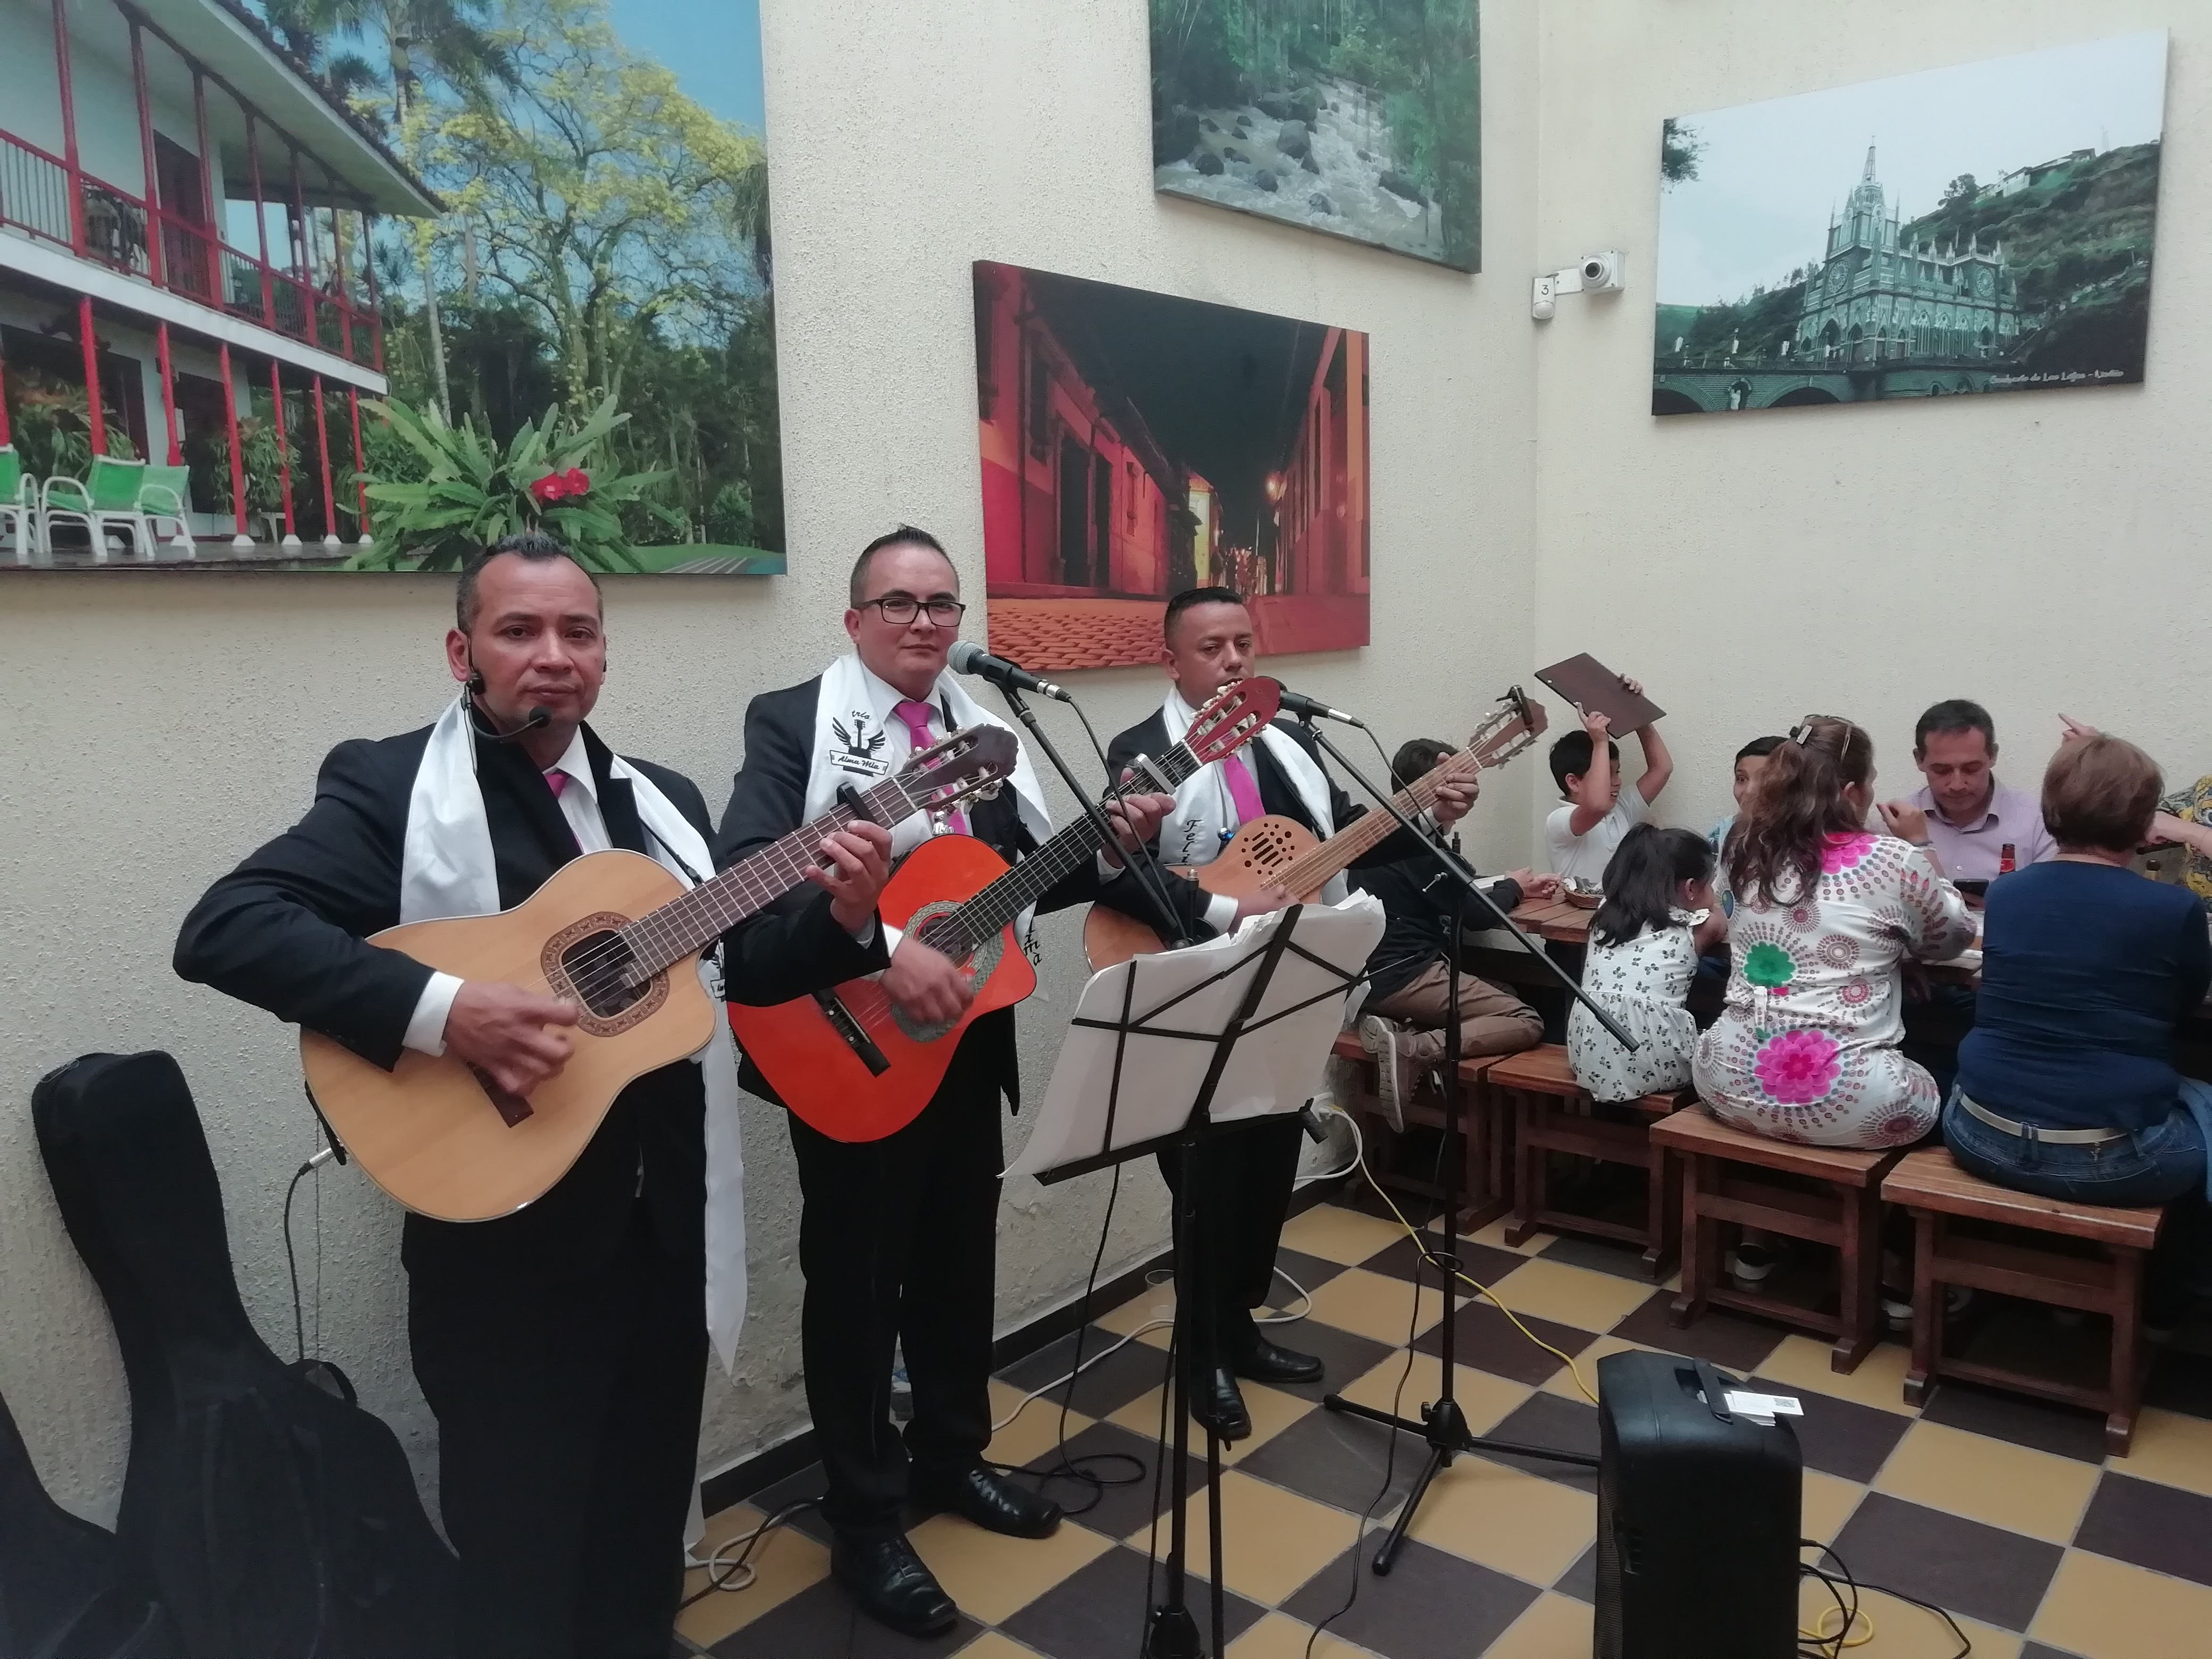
x,y
893,1585
993,1502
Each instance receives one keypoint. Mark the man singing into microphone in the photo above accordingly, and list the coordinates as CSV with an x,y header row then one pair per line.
x,y
563,1348
898,1236
1246,1177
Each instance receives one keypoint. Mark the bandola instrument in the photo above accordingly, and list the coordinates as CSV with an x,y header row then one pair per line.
x,y
1278,852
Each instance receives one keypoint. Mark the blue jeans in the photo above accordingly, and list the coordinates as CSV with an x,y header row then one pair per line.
x,y
2154,1165
2157,1165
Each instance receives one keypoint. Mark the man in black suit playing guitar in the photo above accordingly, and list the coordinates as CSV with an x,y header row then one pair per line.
x,y
898,1236
563,1348
1246,1177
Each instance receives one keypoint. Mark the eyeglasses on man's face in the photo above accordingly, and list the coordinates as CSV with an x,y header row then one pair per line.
x,y
900,610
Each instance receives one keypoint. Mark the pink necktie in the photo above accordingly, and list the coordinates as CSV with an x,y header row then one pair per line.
x,y
557,781
915,716
1244,792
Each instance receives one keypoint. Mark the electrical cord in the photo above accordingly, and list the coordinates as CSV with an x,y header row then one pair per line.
x,y
1397,1405
292,1263
1820,1644
1437,1259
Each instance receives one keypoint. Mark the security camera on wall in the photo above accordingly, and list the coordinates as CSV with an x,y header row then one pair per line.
x,y
1593,273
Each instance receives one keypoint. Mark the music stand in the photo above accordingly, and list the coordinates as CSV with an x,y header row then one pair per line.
x,y
1149,1034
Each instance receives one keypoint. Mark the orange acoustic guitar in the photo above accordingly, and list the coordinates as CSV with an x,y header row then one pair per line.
x,y
620,937
856,1068
1278,852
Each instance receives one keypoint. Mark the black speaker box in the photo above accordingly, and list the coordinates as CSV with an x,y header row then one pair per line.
x,y
1697,1517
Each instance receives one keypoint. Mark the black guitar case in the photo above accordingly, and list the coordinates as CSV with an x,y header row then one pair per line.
x,y
271,1516
59,1598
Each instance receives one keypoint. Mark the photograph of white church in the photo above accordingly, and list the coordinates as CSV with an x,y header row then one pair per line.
x,y
1983,228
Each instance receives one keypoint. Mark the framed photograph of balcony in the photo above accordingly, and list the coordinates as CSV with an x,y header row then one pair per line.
x,y
1135,444
1987,228
1358,119
248,319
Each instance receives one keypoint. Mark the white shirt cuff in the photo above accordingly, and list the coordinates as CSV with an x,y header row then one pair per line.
x,y
891,936
426,1030
1220,912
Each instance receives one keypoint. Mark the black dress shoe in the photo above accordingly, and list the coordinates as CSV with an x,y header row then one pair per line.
x,y
893,1585
1217,1403
1256,1357
993,1502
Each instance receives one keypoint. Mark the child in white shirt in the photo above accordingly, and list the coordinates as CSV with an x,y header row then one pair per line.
x,y
1582,835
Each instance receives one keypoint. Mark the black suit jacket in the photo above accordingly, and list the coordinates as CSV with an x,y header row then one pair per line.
x,y
767,802
1278,794
286,930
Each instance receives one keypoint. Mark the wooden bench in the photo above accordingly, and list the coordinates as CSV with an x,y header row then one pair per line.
x,y
1720,1183
1482,1191
2110,1281
1552,1113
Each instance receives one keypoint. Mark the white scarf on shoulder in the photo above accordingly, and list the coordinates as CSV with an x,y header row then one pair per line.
x,y
853,728
1205,817
446,869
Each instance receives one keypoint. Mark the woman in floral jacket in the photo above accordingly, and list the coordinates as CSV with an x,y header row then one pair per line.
x,y
1825,914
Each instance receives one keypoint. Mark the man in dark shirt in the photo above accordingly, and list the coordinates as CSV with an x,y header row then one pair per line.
x,y
1410,983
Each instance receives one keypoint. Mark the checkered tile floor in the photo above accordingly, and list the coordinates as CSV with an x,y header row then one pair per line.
x,y
2004,1510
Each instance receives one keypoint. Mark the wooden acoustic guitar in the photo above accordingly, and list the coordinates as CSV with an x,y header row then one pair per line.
x,y
1279,852
619,937
850,1064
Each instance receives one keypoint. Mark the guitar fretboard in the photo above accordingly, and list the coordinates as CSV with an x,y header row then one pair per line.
x,y
1005,899
1313,869
705,912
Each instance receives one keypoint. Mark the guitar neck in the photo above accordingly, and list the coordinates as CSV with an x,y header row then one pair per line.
x,y
1012,893
1315,868
705,912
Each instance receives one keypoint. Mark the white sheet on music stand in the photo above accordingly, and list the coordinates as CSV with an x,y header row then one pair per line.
x,y
1276,1069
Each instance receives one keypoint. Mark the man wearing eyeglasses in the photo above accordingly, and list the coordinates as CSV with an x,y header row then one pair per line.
x,y
898,1236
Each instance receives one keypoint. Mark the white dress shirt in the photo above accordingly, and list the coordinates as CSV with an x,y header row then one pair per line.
x,y
579,804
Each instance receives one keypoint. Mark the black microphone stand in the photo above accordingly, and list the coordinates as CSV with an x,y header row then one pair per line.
x,y
1443,1424
1139,862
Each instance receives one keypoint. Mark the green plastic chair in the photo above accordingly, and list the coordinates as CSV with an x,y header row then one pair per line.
x,y
162,492
19,501
110,500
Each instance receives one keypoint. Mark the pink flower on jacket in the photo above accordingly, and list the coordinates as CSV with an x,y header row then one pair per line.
x,y
1842,853
1796,1068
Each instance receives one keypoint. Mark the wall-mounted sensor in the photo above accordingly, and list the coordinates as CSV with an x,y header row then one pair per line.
x,y
1593,273
1602,273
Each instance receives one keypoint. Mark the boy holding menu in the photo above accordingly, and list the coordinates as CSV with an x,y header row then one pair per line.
x,y
1581,835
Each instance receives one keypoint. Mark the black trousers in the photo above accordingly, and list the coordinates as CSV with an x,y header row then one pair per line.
x,y
567,1414
1244,1181
898,1240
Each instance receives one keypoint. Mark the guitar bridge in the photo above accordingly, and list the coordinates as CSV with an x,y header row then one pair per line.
x,y
849,1032
512,1108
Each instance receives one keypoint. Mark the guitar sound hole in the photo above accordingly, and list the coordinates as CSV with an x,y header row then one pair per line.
x,y
943,933
597,966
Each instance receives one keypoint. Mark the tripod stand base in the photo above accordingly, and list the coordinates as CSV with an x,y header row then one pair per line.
x,y
1443,1427
1172,1633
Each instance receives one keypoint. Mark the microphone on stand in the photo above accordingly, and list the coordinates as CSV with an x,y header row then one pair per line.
x,y
1311,708
967,657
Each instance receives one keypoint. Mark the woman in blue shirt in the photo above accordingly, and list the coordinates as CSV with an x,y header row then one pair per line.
x,y
2066,1085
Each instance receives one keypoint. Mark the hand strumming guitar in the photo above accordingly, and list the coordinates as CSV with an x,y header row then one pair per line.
x,y
924,983
1265,901
502,1030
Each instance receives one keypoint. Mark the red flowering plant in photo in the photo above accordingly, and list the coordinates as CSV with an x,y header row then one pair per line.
x,y
478,490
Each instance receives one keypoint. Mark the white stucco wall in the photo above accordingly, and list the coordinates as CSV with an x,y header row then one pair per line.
x,y
156,727
2039,552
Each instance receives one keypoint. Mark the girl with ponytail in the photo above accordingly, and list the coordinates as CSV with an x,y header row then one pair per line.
x,y
1825,913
